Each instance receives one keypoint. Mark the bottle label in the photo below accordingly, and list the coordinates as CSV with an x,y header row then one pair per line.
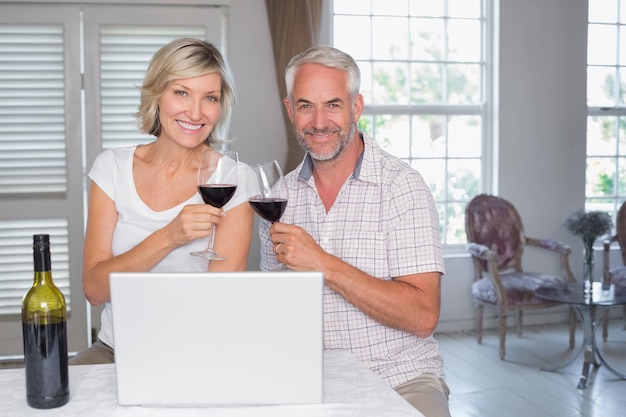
x,y
45,362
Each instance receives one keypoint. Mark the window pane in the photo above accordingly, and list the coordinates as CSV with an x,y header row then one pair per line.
x,y
622,86
621,176
428,137
600,86
427,39
622,135
390,7
601,134
603,11
392,134
600,177
464,8
426,83
622,45
462,40
352,6
602,45
463,178
427,8
344,27
455,223
390,83
390,38
464,137
464,84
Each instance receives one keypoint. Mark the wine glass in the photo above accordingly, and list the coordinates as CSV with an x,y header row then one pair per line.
x,y
218,176
269,199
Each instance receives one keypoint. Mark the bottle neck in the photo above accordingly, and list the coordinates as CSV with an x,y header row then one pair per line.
x,y
43,266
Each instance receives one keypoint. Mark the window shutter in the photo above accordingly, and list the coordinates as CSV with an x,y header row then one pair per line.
x,y
16,260
32,122
32,152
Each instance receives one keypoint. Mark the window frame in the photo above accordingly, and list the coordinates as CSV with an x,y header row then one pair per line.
x,y
617,110
485,110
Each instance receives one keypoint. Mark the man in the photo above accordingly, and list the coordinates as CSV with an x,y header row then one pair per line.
x,y
369,223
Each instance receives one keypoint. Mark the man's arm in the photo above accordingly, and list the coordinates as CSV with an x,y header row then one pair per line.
x,y
410,303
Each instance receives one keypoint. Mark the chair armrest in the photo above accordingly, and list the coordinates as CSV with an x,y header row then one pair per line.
x,y
482,252
487,260
558,247
549,244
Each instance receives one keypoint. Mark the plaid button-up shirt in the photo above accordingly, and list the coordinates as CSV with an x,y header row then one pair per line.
x,y
384,222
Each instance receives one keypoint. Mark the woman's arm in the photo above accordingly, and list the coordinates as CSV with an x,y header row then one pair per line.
x,y
193,222
232,239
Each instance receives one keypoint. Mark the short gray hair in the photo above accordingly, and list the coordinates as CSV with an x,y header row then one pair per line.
x,y
326,56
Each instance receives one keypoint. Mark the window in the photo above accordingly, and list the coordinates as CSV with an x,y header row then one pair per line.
x,y
606,106
424,80
68,89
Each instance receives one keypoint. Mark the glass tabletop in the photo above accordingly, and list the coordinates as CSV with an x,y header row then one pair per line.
x,y
573,294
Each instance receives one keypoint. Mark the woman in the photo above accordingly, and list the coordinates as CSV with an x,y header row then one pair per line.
x,y
145,213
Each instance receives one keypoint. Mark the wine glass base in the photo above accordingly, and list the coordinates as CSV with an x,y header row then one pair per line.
x,y
208,255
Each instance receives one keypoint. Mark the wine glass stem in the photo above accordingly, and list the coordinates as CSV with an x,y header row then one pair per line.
x,y
212,238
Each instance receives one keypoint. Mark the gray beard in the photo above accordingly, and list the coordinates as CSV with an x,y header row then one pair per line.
x,y
344,141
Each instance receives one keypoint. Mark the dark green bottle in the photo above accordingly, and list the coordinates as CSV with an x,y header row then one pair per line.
x,y
44,319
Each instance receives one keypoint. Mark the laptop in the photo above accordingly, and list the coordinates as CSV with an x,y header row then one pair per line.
x,y
231,338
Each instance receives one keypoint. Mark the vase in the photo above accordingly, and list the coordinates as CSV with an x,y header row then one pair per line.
x,y
587,279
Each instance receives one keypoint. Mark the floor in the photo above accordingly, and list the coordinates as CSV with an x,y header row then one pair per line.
x,y
484,386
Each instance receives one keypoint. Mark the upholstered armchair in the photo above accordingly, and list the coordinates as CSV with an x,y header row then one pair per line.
x,y
617,274
496,242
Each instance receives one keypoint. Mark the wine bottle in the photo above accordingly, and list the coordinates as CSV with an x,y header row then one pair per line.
x,y
44,317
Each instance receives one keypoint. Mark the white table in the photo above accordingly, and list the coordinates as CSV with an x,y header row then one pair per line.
x,y
350,389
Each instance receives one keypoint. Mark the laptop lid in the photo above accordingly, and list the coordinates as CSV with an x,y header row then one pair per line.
x,y
232,338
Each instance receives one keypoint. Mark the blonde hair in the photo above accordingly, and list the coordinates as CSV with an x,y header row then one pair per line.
x,y
185,58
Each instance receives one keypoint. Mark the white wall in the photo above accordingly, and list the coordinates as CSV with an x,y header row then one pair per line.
x,y
540,157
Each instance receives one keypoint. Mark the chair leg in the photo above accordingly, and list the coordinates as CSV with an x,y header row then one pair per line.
x,y
478,319
518,322
572,328
502,328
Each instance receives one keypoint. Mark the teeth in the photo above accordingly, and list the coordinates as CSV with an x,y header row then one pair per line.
x,y
189,125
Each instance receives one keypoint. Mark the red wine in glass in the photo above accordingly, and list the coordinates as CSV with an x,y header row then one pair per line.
x,y
271,209
217,182
217,195
270,195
